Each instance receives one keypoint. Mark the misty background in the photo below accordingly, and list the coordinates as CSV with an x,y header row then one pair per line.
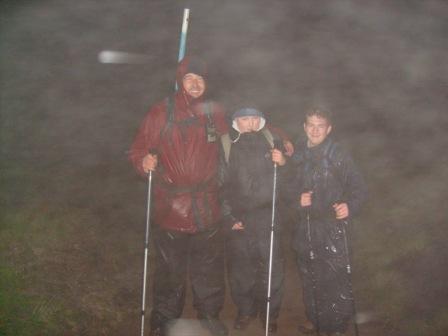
x,y
67,121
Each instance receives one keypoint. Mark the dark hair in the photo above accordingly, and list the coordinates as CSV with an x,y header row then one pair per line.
x,y
319,112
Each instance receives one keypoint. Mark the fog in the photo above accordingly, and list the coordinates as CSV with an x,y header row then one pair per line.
x,y
380,66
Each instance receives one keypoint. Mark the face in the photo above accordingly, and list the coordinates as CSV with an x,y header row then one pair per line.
x,y
194,85
248,124
316,129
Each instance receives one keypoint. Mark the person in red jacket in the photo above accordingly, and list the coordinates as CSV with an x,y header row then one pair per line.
x,y
179,140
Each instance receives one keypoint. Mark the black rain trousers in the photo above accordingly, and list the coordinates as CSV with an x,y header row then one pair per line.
x,y
248,266
201,254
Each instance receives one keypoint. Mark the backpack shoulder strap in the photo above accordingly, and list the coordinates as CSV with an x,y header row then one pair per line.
x,y
268,135
169,116
226,145
328,152
208,109
330,164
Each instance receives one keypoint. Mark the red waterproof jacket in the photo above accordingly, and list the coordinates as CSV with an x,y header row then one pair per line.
x,y
185,190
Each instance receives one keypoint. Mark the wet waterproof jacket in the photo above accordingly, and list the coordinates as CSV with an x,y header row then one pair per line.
x,y
247,197
330,173
248,177
185,192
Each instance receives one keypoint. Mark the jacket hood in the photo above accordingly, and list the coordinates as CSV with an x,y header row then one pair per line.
x,y
246,112
189,65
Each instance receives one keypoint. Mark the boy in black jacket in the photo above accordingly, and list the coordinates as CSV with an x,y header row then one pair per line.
x,y
247,208
329,190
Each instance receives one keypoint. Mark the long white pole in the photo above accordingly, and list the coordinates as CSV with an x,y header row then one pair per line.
x,y
271,250
145,265
183,37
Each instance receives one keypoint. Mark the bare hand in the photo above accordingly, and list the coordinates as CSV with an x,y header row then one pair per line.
x,y
341,210
306,199
149,162
238,226
278,157
289,147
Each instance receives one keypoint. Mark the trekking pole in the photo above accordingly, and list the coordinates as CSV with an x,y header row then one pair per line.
x,y
312,257
145,264
349,275
182,44
271,247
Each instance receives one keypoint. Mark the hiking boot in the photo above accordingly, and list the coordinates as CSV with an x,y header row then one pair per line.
x,y
242,322
214,325
307,328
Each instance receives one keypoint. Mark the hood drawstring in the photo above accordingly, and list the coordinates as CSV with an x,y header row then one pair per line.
x,y
237,138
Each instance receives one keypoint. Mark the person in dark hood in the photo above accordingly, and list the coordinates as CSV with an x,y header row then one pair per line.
x,y
179,141
330,191
247,196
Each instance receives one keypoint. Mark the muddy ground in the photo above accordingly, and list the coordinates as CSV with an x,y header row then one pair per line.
x,y
67,121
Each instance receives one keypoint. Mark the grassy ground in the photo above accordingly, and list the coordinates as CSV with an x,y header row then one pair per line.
x,y
32,237
75,269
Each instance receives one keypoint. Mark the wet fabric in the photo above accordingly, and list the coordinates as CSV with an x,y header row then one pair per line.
x,y
330,173
185,188
248,266
185,208
326,288
202,253
247,197
248,176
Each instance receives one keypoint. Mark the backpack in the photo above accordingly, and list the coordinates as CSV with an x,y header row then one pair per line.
x,y
210,127
330,163
227,143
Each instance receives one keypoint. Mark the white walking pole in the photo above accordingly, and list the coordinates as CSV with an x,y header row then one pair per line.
x,y
145,264
271,248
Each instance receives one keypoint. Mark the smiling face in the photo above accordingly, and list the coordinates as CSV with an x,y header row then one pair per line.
x,y
194,85
316,129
